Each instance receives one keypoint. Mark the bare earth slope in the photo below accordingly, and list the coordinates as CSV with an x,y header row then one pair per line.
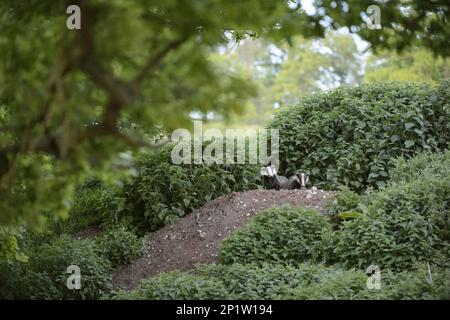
x,y
195,238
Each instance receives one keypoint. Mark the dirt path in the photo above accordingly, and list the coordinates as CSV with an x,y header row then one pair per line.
x,y
195,238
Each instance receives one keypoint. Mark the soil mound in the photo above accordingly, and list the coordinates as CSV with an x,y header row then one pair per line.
x,y
196,237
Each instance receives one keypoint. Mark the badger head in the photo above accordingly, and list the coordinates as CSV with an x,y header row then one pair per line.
x,y
269,171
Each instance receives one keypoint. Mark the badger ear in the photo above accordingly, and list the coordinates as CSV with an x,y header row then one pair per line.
x,y
274,170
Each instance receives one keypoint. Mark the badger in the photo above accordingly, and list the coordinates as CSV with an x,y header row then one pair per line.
x,y
271,180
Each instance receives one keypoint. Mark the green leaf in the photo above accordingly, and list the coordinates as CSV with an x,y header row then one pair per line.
x,y
409,125
409,143
395,138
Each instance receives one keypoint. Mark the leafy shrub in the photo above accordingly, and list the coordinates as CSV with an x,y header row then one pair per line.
x,y
282,235
84,211
267,281
303,281
406,222
345,200
95,203
344,206
174,286
44,275
118,245
9,249
163,191
352,285
340,284
402,224
234,281
112,207
422,283
350,135
421,167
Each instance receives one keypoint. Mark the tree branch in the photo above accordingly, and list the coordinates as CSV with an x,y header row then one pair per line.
x,y
153,61
120,94
117,90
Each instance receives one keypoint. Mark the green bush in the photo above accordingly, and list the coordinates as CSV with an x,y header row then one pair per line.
x,y
84,211
234,281
163,191
402,224
95,203
119,245
406,222
281,235
396,286
267,281
304,281
9,248
422,283
350,135
175,286
344,206
421,167
345,200
45,274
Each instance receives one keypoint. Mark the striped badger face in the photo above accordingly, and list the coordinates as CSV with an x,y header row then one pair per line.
x,y
268,175
303,178
270,171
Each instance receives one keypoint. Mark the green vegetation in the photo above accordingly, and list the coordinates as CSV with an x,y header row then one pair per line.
x,y
95,203
85,210
44,275
85,114
403,227
414,65
278,235
286,253
163,191
119,246
345,201
304,281
70,100
312,65
157,195
350,135
404,223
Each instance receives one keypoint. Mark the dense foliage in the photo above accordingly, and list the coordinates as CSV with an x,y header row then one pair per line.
x,y
304,281
403,228
70,99
278,235
95,203
395,228
350,135
412,65
119,245
44,275
283,253
158,194
163,191
85,210
406,222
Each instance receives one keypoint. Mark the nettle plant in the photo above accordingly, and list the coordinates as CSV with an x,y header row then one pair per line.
x,y
282,235
350,135
119,245
163,191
